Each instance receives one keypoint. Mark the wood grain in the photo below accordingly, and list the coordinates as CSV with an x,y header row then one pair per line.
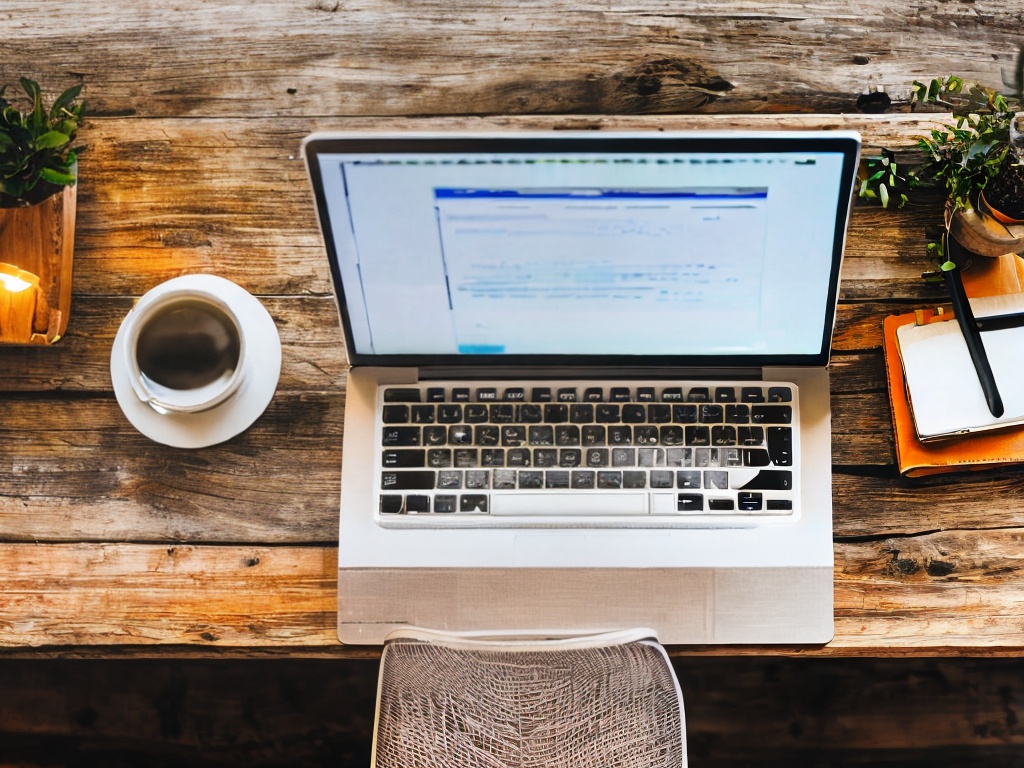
x,y
265,58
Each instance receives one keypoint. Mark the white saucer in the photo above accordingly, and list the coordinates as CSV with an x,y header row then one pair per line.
x,y
238,412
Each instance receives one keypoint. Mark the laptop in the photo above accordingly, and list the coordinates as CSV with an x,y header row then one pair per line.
x,y
588,384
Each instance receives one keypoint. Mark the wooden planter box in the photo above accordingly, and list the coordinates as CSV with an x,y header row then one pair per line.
x,y
38,240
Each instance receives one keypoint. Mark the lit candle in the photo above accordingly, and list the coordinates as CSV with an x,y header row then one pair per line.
x,y
19,292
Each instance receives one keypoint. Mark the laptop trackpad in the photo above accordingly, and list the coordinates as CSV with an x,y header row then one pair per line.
x,y
586,549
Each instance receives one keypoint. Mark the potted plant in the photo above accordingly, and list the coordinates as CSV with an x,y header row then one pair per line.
x,y
978,162
38,174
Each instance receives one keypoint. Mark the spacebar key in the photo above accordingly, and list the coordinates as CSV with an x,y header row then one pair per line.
x,y
554,504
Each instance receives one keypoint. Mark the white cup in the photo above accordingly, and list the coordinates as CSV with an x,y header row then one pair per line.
x,y
184,350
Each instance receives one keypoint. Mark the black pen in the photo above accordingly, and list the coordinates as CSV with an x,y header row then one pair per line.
x,y
969,328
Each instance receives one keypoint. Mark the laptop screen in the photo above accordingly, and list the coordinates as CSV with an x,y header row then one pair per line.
x,y
664,249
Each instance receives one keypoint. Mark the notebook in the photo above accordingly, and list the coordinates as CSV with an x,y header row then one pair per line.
x,y
588,382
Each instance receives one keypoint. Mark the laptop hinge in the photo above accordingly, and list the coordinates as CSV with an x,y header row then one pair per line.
x,y
577,372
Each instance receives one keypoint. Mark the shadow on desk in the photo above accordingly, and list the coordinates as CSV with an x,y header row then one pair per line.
x,y
749,711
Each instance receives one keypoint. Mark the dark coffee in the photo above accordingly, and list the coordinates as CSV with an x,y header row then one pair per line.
x,y
188,344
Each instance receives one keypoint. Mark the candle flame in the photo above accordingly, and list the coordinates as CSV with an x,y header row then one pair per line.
x,y
15,280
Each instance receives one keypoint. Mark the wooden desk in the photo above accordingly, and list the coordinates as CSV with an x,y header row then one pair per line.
x,y
113,545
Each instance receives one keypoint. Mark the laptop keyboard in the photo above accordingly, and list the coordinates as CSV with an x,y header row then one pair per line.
x,y
703,451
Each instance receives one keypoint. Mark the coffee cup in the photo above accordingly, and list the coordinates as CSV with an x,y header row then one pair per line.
x,y
184,350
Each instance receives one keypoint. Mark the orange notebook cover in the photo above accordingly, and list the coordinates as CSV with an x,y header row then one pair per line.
x,y
978,451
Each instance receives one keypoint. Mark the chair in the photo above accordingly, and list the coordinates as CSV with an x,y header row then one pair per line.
x,y
465,701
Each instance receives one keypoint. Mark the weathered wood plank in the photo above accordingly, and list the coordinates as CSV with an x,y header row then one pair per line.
x,y
939,593
377,58
77,470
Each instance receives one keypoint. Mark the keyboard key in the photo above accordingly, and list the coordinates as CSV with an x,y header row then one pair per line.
x,y
401,395
597,457
711,414
531,413
450,413
417,504
780,505
698,395
750,435
436,395
716,480
679,457
755,457
771,480
721,505
545,457
515,394
607,413
645,394
540,394
620,435
530,478
662,478
737,414
403,459
593,434
620,395
513,435
672,394
688,479
556,478
725,395
650,457
671,434
623,457
780,446
645,434
723,435
659,413
556,413
582,478
439,458
593,394
435,435
460,395
518,457
407,480
634,413
475,413
466,458
567,434
445,504
609,479
541,435
503,479
391,503
393,436
477,479
503,413
684,414
581,413
449,479
486,394
570,457
395,414
749,502
472,502
771,414
492,457
752,395
698,436
460,434
485,435
566,395
780,395
634,478
690,502
423,414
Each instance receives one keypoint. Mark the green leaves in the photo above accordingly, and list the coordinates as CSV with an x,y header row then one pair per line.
x,y
36,156
883,180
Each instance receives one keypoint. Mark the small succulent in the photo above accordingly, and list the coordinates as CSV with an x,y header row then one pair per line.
x,y
36,153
